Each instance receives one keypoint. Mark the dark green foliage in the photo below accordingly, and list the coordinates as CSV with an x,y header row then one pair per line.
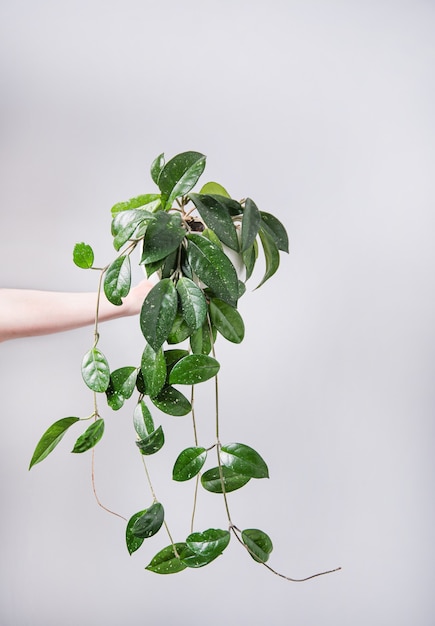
x,y
183,239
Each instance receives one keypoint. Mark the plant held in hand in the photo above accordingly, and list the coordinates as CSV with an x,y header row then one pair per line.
x,y
187,239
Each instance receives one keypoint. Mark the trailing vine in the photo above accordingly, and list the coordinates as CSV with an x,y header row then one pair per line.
x,y
185,239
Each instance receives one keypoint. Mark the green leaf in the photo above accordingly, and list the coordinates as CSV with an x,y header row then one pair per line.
x,y
233,207
133,542
150,522
271,254
211,480
258,543
202,340
227,320
214,188
170,264
192,559
125,225
193,303
193,369
157,166
243,460
152,443
90,437
158,313
153,368
117,280
189,463
173,356
250,224
213,268
215,214
210,543
172,402
162,237
167,560
150,200
180,329
121,386
51,438
95,370
249,258
211,236
83,255
179,175
277,231
143,420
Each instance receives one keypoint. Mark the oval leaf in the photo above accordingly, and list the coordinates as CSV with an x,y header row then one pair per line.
x,y
126,224
153,368
210,543
167,561
180,175
152,443
213,268
143,420
227,320
193,303
211,480
172,402
193,369
83,255
150,522
214,188
180,329
95,370
189,463
133,542
121,386
162,237
158,313
216,216
90,437
51,438
117,280
258,543
243,460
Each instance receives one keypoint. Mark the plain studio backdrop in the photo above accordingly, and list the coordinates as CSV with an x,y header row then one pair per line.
x,y
323,113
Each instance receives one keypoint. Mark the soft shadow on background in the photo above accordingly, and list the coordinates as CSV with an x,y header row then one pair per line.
x,y
322,112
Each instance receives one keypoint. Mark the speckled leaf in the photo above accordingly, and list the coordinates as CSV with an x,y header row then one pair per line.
x,y
189,463
143,420
193,303
152,443
153,368
133,542
227,320
150,522
179,176
90,437
167,561
211,480
210,543
121,386
193,369
172,402
162,237
216,216
117,280
158,313
243,460
95,370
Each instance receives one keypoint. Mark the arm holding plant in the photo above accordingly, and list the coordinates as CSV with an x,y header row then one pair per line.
x,y
27,313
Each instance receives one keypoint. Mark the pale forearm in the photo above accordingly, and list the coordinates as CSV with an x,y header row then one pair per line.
x,y
26,313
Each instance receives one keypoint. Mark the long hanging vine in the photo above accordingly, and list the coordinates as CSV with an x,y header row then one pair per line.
x,y
184,239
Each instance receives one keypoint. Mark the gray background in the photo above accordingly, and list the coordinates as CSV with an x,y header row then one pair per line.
x,y
323,113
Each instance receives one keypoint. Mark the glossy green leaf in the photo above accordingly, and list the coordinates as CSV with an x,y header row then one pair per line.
x,y
211,480
83,255
250,224
151,268
271,254
150,522
143,420
173,356
192,559
214,188
152,443
121,386
149,200
193,303
167,561
158,313
249,259
209,234
180,175
276,229
227,320
172,402
126,223
213,268
201,341
51,438
157,166
170,264
117,280
210,543
180,329
90,437
95,370
243,460
193,369
162,237
133,542
258,543
189,463
216,216
233,207
153,368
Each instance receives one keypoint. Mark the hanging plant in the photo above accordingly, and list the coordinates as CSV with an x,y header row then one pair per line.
x,y
186,239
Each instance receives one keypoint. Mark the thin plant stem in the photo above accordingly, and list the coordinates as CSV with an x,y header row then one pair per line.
x,y
195,436
95,491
